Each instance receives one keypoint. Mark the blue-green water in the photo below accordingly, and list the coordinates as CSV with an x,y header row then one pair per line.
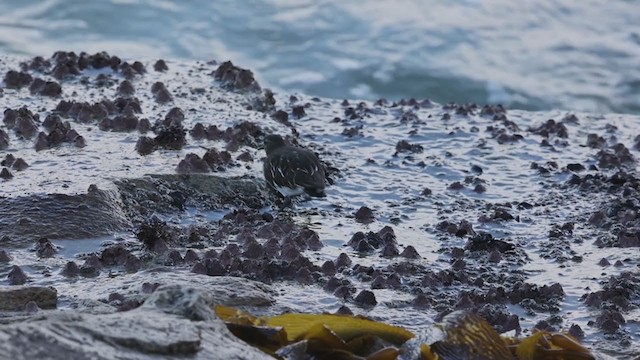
x,y
544,54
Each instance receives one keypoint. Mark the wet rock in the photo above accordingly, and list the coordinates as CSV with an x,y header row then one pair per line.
x,y
125,106
616,157
191,256
506,133
366,298
4,140
65,70
120,123
174,320
31,308
45,88
456,186
71,270
25,127
192,163
405,146
352,132
264,102
282,117
333,283
5,174
458,264
11,116
51,122
626,240
245,156
4,256
303,276
551,127
344,291
389,251
175,258
144,125
115,255
233,77
160,93
15,298
298,112
45,249
145,145
595,141
500,318
199,268
38,64
217,160
16,276
17,80
422,302
476,169
132,264
575,167
60,132
126,88
344,310
609,321
485,242
501,215
91,266
410,253
160,66
480,189
364,215
155,234
617,291
576,331
543,297
139,67
329,268
378,283
494,256
174,117
343,261
171,137
198,132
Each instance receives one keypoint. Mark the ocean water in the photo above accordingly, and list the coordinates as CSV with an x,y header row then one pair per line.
x,y
578,55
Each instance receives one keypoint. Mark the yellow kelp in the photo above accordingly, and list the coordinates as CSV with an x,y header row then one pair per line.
x,y
463,336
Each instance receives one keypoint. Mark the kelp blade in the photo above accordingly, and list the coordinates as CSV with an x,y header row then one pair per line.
x,y
346,327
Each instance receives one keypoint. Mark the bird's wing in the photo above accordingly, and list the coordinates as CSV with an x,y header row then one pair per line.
x,y
311,172
293,169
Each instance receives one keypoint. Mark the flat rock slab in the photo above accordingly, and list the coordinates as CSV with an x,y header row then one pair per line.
x,y
14,298
224,290
159,330
173,192
104,212
59,216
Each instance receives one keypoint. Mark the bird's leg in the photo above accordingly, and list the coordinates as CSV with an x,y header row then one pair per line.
x,y
283,202
288,202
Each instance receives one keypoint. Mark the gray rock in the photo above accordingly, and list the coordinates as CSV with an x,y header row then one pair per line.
x,y
157,330
14,298
60,216
102,212
224,290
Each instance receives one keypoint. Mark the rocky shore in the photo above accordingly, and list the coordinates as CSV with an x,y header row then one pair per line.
x,y
132,200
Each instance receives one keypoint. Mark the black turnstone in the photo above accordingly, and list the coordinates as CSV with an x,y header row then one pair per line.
x,y
292,170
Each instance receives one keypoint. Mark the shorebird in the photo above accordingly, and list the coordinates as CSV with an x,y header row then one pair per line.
x,y
292,170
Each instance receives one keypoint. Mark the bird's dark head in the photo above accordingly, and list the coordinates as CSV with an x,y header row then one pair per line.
x,y
273,142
